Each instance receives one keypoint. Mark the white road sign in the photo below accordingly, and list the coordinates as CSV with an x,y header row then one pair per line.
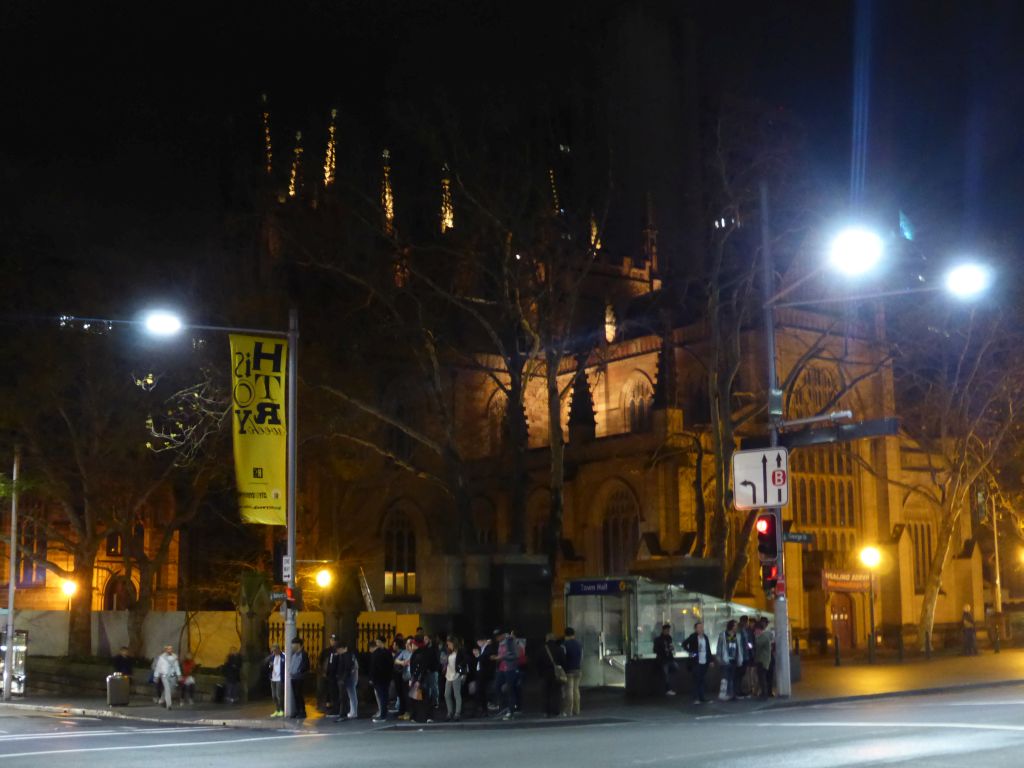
x,y
286,568
760,478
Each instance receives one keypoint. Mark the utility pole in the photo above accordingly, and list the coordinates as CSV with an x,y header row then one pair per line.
x,y
292,479
781,602
12,556
998,601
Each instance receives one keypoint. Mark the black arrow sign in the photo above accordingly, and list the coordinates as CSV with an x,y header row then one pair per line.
x,y
753,490
764,475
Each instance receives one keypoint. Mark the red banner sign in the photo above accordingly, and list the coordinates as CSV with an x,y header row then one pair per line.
x,y
845,581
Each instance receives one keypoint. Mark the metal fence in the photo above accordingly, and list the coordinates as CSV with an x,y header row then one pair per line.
x,y
312,635
367,633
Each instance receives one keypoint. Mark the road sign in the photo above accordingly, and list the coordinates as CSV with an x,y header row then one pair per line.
x,y
760,478
278,595
286,568
797,538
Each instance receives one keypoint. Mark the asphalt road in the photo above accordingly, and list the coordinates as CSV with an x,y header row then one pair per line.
x,y
982,727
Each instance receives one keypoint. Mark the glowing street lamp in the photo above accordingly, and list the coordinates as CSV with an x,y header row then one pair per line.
x,y
968,281
162,323
69,588
855,251
324,578
871,557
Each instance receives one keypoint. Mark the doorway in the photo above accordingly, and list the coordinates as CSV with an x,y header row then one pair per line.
x,y
842,619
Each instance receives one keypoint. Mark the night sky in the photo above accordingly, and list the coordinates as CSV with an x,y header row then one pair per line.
x,y
121,121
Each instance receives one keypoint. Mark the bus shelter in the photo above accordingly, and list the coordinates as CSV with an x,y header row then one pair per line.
x,y
18,662
617,619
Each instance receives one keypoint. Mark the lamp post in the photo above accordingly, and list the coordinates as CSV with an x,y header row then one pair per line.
x,y
12,577
855,252
162,323
871,557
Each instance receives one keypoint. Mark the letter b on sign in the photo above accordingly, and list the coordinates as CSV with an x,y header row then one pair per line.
x,y
778,477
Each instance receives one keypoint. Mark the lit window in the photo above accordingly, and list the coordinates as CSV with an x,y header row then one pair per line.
x,y
399,556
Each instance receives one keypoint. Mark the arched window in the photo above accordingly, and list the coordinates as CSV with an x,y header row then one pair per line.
x,y
484,523
621,532
637,399
399,555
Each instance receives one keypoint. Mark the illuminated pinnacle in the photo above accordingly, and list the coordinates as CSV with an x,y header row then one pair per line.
x,y
595,235
447,209
293,179
268,161
330,157
387,198
554,192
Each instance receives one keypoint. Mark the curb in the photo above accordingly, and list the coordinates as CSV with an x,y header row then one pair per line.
x,y
962,687
110,714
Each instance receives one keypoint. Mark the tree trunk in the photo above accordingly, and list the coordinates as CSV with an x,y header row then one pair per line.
x,y
557,446
944,543
140,610
518,438
739,558
80,615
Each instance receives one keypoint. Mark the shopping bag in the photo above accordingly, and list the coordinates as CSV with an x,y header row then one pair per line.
x,y
723,689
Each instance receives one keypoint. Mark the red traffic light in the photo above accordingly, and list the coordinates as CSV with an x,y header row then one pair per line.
x,y
763,524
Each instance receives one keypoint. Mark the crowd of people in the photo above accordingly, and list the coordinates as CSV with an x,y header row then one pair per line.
x,y
424,677
744,654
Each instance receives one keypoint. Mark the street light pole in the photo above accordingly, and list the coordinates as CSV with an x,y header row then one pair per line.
x,y
998,601
292,476
871,615
12,552
781,603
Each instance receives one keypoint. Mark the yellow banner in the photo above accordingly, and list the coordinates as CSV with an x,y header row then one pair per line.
x,y
260,432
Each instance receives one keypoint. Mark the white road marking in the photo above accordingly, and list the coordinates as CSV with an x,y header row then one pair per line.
x,y
181,744
84,734
944,726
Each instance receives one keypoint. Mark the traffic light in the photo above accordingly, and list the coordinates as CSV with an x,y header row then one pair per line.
x,y
767,538
293,598
769,577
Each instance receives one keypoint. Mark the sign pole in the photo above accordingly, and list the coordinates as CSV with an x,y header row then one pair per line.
x,y
12,579
781,603
293,457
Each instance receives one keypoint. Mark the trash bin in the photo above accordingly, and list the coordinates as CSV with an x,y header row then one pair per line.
x,y
118,689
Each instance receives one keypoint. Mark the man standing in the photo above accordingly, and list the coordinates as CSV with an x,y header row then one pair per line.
x,y
347,681
327,682
763,658
573,663
167,672
299,669
123,662
232,671
275,664
381,665
665,653
699,648
507,659
730,658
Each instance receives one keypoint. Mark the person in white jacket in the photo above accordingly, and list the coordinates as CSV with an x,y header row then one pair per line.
x,y
730,659
168,671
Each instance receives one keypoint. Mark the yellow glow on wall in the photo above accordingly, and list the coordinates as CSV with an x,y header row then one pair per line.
x,y
609,323
267,147
447,209
387,198
330,156
595,235
293,178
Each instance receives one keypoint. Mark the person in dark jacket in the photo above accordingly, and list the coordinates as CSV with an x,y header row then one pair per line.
x,y
699,648
123,662
232,672
485,674
665,653
347,680
573,663
551,664
299,670
328,694
424,658
381,667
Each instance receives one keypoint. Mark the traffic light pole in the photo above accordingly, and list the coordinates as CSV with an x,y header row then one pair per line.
x,y
292,479
781,602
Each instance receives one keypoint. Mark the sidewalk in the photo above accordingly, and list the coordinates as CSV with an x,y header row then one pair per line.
x,y
822,683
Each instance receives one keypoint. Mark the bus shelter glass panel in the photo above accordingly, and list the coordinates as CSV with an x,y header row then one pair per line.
x,y
18,662
600,611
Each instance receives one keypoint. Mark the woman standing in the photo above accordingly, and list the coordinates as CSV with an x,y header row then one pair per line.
x,y
403,676
456,667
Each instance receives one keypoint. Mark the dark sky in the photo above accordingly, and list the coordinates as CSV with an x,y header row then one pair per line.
x,y
120,119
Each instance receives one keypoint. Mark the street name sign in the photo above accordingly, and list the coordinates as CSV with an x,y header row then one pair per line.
x,y
796,537
760,478
278,595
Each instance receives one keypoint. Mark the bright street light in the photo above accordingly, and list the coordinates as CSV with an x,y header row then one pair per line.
x,y
162,323
855,251
871,557
68,587
968,281
324,578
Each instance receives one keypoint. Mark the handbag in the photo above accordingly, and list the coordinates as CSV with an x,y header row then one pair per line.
x,y
723,689
416,691
560,675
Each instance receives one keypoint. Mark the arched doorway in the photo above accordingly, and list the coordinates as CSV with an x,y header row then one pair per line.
x,y
842,620
119,594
